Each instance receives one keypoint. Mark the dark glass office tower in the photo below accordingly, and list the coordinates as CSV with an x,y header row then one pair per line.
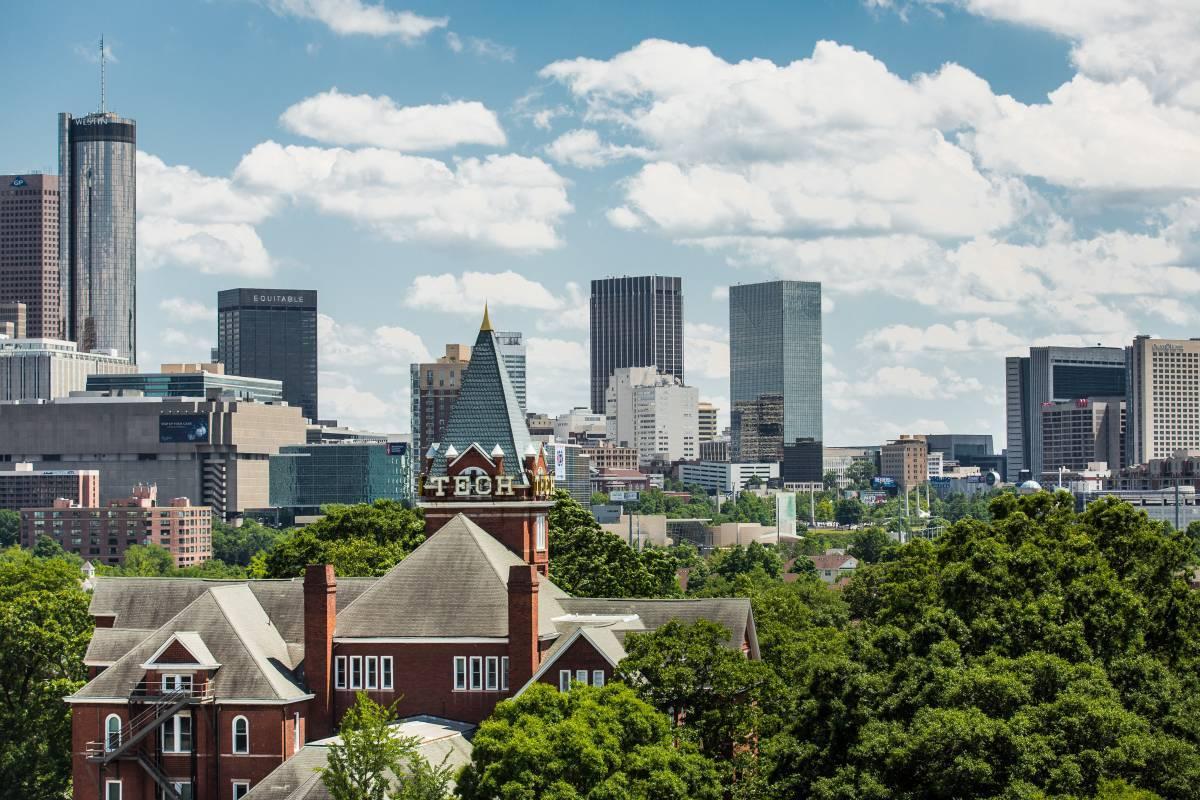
x,y
271,333
635,322
97,162
775,375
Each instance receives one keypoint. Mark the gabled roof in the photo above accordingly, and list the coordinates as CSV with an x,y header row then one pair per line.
x,y
193,643
834,561
732,613
601,638
454,585
486,411
256,664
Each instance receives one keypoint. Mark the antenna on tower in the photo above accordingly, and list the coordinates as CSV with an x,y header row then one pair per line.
x,y
102,87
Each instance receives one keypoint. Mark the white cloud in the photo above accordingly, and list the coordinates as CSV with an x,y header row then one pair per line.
x,y
902,381
509,202
722,293
1168,308
180,192
91,52
557,371
621,217
582,148
467,293
344,119
484,48
343,399
176,346
185,310
387,349
707,348
214,249
355,17
962,336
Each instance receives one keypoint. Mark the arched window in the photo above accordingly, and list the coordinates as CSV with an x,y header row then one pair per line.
x,y
241,735
112,732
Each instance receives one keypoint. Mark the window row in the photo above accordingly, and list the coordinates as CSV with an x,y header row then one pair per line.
x,y
481,674
362,672
113,789
566,678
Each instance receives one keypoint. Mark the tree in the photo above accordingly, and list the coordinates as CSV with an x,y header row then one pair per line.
x,y
364,540
830,480
1193,534
238,544
589,742
870,545
45,547
599,499
10,528
44,632
848,511
860,472
147,561
718,576
689,670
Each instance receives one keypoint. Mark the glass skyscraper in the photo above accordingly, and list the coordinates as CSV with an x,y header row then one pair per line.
x,y
635,322
775,375
271,333
97,163
512,350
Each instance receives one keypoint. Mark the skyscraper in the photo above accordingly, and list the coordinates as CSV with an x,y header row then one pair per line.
x,y
271,333
775,375
1053,375
512,350
435,387
1164,398
97,182
29,251
635,322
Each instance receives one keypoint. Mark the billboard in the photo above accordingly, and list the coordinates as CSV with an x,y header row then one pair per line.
x,y
397,448
785,513
183,428
560,463
883,482
624,496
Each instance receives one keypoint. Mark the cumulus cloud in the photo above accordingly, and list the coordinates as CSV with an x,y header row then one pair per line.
x,y
185,310
484,48
509,202
212,248
583,148
343,399
707,348
358,18
962,336
344,119
467,293
557,371
387,349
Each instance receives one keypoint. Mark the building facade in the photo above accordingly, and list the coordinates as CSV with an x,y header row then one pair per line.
x,y
512,353
203,380
29,252
635,322
213,451
581,426
715,450
1078,433
1164,398
272,333
727,478
309,476
434,388
22,486
1053,375
654,414
708,427
775,372
14,319
101,535
906,460
97,229
48,369
607,456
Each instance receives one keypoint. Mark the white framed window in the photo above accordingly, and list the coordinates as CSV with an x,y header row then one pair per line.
x,y
493,674
339,672
176,683
112,790
182,788
177,733
476,673
539,525
564,680
504,673
240,789
372,666
581,676
241,735
355,672
385,672
296,732
112,732
597,677
460,673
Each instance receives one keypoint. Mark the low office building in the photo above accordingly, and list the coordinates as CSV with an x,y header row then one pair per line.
x,y
580,426
726,478
101,535
716,450
1076,433
607,456
306,477
47,369
573,471
1177,507
1182,468
607,481
214,451
708,428
906,460
190,380
26,487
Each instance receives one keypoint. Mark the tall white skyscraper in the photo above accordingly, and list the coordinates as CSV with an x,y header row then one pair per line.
x,y
1164,398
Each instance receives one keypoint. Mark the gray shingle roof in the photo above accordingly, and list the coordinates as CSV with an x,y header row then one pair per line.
x,y
486,412
109,644
454,584
730,612
255,661
442,741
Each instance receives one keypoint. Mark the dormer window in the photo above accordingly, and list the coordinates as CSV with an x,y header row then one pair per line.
x,y
176,683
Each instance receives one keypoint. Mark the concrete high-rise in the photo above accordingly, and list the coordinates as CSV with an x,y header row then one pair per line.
x,y
1053,375
512,352
271,333
97,231
708,421
1076,433
635,322
654,414
1164,398
29,253
435,387
775,375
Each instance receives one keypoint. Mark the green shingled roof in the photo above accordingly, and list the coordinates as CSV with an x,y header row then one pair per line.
x,y
486,412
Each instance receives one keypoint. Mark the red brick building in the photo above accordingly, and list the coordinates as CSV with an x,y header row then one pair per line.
x,y
202,688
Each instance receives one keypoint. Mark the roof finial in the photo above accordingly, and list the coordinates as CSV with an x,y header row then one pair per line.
x,y
486,325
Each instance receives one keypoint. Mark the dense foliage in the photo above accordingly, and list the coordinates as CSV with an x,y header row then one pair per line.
x,y
586,744
239,544
44,631
156,561
10,528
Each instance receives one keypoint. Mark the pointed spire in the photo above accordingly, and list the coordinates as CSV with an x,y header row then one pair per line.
x,y
486,325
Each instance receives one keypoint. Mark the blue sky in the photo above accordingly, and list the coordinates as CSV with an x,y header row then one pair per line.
x,y
965,177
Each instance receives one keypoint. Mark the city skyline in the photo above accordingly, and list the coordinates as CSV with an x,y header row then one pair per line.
x,y
931,277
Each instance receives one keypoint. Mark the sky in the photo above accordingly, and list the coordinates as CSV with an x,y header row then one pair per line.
x,y
966,178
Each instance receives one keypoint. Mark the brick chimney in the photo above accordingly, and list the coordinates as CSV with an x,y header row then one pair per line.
x,y
320,615
523,655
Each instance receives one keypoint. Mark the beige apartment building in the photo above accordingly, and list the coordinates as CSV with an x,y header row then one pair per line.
x,y
1164,398
907,460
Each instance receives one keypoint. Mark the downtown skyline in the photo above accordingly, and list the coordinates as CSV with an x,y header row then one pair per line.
x,y
413,161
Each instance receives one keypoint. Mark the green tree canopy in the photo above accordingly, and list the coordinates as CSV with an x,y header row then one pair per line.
x,y
871,544
10,528
585,744
364,540
860,472
44,632
238,544
848,511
